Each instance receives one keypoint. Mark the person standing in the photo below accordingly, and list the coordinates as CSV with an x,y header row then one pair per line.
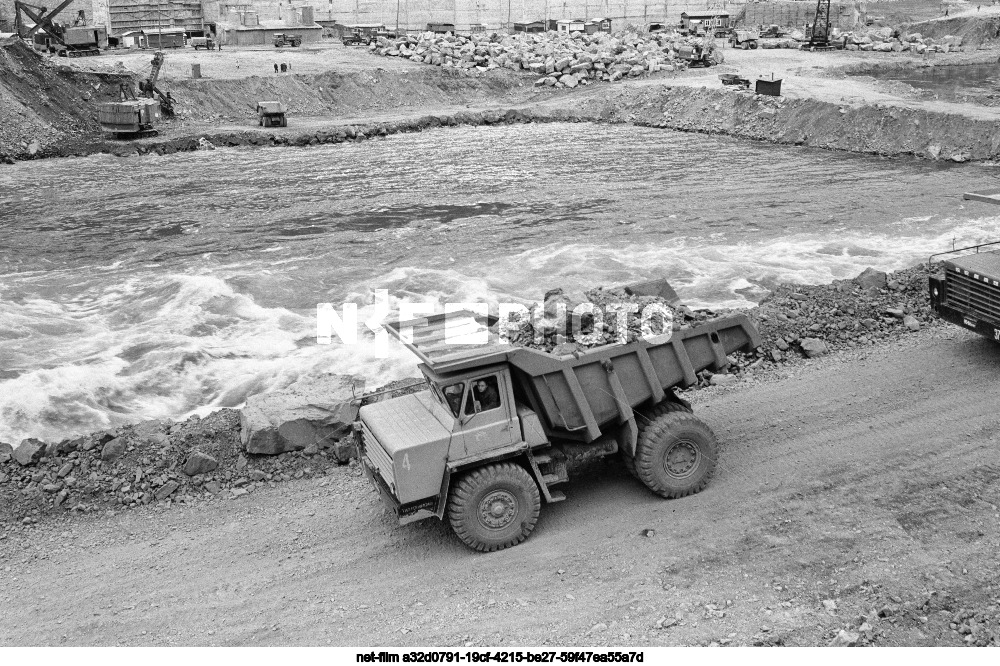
x,y
275,68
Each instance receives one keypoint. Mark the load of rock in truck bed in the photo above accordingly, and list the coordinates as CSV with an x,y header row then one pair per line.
x,y
565,323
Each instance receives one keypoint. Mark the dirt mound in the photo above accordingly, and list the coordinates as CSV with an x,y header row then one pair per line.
x,y
975,31
332,93
42,105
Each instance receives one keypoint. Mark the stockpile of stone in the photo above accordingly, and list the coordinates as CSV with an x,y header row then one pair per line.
x,y
883,41
560,60
798,320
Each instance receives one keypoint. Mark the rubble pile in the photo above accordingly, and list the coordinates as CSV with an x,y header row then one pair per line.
x,y
191,461
813,320
563,61
887,40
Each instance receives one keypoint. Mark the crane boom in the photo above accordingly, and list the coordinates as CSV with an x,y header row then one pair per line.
x,y
42,19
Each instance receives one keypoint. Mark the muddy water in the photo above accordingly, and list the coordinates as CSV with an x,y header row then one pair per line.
x,y
954,83
156,286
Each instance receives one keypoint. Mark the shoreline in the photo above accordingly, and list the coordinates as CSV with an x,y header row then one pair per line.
x,y
830,104
797,323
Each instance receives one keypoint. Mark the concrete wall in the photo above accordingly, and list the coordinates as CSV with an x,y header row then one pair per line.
x,y
791,13
415,14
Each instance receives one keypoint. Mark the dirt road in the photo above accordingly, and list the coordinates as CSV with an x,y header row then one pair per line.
x,y
859,493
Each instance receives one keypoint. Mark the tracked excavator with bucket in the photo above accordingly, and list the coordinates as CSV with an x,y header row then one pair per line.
x,y
135,116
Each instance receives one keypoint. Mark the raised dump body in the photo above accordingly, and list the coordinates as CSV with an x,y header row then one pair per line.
x,y
491,437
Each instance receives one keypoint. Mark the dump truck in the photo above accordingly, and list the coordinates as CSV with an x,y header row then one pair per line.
x,y
205,42
491,437
743,39
271,114
281,39
965,282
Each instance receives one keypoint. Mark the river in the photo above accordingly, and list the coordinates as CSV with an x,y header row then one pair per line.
x,y
156,287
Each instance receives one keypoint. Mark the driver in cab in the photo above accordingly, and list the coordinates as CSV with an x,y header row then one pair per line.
x,y
485,393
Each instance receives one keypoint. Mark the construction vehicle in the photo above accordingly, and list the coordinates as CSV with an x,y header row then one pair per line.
x,y
818,33
205,42
75,41
494,433
702,53
130,119
282,40
772,32
965,287
743,39
134,116
271,114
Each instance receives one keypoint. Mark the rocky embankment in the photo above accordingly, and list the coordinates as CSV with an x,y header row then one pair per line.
x,y
304,431
297,433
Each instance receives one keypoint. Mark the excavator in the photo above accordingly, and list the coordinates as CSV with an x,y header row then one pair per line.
x,y
74,42
132,117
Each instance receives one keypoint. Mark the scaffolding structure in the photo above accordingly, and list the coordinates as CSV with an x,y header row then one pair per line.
x,y
154,15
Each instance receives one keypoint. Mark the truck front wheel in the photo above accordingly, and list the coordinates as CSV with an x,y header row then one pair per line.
x,y
676,455
494,507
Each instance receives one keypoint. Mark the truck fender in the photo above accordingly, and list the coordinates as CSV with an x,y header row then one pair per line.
x,y
442,504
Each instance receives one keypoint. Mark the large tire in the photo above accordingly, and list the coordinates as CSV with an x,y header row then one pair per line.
x,y
494,507
644,420
676,455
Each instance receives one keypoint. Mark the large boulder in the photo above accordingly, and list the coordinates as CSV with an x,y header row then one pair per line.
x,y
29,452
813,347
199,463
114,449
6,452
871,279
314,411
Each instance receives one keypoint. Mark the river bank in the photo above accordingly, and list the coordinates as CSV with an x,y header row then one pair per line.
x,y
362,94
202,459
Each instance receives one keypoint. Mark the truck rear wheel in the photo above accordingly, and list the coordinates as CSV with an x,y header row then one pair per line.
x,y
676,455
646,419
494,507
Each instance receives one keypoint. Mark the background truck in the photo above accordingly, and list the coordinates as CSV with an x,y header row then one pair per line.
x,y
271,114
743,39
281,39
965,288
203,43
700,54
492,436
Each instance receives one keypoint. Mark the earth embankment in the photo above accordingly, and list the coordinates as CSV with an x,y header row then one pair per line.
x,y
52,110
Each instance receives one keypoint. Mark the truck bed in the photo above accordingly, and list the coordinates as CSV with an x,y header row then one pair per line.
x,y
577,394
